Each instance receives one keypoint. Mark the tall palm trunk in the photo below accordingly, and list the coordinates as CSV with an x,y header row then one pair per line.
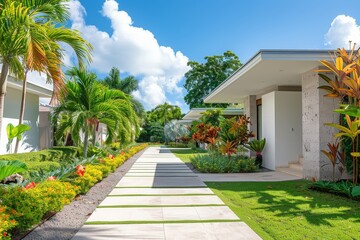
x,y
3,83
86,138
94,135
22,108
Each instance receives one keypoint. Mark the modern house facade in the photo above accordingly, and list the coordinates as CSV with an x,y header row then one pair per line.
x,y
279,90
32,138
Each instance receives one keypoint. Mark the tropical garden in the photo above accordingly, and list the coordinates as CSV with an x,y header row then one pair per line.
x,y
35,185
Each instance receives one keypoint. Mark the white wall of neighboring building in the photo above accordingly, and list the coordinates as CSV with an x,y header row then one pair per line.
x,y
282,128
31,117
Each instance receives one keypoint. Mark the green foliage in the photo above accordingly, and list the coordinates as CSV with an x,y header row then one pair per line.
x,y
15,132
202,78
221,164
85,103
257,146
212,117
164,113
8,168
344,188
32,204
56,154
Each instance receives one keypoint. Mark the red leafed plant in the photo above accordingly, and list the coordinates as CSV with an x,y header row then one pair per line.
x,y
30,185
228,148
80,170
334,154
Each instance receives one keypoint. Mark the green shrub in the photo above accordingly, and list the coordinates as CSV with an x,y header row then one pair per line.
x,y
343,188
56,154
32,204
222,164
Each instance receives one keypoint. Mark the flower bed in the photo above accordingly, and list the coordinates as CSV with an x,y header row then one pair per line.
x,y
22,207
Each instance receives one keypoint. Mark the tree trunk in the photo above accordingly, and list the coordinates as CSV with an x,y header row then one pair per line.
x,y
86,138
3,83
94,136
22,109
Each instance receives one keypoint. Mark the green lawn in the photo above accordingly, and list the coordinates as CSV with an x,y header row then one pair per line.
x,y
288,210
186,154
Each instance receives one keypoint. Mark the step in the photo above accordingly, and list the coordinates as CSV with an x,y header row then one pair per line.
x,y
296,166
291,171
301,160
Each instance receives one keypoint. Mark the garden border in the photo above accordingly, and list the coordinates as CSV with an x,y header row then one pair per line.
x,y
66,223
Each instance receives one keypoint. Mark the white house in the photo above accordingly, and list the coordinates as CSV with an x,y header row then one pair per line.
x,y
279,90
35,90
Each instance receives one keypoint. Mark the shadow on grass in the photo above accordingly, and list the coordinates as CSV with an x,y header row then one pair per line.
x,y
290,200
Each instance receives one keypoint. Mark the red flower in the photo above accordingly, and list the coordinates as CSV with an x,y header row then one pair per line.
x,y
122,153
80,170
5,234
30,185
111,156
51,178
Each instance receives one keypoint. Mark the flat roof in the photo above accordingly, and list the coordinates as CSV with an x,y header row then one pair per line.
x,y
41,91
196,113
267,68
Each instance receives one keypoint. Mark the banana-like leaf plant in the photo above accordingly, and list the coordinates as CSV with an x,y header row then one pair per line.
x,y
15,132
8,168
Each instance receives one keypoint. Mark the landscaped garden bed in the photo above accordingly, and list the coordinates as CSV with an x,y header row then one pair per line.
x,y
23,206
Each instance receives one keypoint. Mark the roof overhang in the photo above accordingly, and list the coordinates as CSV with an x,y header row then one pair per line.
x,y
196,113
30,87
268,68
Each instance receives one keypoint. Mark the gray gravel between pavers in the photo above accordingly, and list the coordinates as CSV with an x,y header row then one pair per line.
x,y
66,223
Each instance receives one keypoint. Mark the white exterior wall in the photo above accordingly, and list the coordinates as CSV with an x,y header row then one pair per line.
x,y
282,128
30,141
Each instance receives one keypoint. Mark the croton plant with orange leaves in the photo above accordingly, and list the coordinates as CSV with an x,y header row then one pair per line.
x,y
342,76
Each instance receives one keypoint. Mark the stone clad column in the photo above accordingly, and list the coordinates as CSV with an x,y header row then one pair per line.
x,y
250,110
317,110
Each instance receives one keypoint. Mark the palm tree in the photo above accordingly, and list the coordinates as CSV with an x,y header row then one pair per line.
x,y
85,103
21,23
44,55
127,85
164,112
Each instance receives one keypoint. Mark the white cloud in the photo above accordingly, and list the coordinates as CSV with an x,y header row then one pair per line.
x,y
133,50
342,30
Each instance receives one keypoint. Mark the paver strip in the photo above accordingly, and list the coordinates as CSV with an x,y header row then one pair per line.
x,y
161,198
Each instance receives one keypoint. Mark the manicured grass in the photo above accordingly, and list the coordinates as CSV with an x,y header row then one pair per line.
x,y
288,210
186,154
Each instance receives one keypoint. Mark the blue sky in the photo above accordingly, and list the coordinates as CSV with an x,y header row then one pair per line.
x,y
198,28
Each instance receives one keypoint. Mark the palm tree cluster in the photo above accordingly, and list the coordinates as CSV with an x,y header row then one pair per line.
x,y
85,103
31,34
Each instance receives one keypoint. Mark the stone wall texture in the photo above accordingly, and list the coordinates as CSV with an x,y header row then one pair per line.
x,y
317,110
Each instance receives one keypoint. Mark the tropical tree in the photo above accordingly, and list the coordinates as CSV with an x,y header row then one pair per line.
x,y
202,78
165,112
20,23
127,85
44,54
86,103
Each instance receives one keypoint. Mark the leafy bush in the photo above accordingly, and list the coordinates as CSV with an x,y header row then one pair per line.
x,y
221,164
344,188
32,204
7,221
8,168
56,154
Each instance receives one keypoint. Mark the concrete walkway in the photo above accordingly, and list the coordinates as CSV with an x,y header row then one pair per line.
x,y
161,198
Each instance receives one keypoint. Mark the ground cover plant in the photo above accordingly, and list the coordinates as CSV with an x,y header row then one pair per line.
x,y
223,164
24,205
186,154
289,210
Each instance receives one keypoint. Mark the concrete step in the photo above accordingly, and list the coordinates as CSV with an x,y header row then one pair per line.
x,y
296,166
301,160
291,171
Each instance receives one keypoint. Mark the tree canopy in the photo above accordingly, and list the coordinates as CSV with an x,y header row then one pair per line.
x,y
205,77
